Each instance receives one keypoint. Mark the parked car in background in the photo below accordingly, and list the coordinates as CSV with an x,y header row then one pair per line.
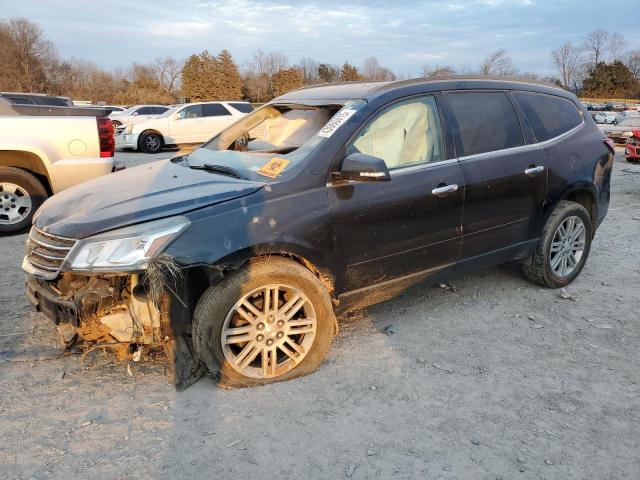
x,y
325,200
605,117
137,113
36,99
621,132
44,150
111,108
632,147
188,123
626,114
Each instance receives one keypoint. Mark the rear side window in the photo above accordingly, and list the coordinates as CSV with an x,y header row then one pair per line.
x,y
214,110
487,122
548,116
145,111
242,107
159,110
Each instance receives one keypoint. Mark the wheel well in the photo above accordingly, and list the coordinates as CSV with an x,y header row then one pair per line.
x,y
26,161
587,200
201,277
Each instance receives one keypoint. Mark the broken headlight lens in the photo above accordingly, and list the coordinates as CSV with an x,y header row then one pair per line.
x,y
127,249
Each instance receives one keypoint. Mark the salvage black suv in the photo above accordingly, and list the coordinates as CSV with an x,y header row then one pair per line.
x,y
237,258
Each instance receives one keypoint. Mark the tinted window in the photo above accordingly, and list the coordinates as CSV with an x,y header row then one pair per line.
x,y
487,122
21,100
159,110
242,107
192,111
145,111
407,133
214,110
548,116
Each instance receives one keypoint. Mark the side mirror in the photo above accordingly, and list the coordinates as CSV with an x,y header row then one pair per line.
x,y
359,167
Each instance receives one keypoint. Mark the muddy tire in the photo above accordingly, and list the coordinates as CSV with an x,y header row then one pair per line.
x,y
270,321
150,142
21,194
563,248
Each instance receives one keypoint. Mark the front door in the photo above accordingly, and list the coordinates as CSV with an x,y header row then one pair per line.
x,y
506,181
189,125
384,231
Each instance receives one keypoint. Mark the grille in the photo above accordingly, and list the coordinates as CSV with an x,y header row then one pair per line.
x,y
46,253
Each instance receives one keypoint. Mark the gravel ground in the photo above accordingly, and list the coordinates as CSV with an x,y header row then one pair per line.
x,y
495,379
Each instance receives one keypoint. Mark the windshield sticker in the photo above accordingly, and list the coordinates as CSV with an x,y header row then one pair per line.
x,y
273,167
337,120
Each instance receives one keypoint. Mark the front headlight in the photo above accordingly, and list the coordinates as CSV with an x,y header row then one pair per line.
x,y
127,249
128,129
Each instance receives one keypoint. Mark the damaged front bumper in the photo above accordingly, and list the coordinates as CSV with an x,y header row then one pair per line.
x,y
114,311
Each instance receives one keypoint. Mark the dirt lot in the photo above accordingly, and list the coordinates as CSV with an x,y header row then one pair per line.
x,y
498,379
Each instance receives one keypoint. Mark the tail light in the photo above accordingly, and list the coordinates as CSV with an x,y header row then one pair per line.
x,y
105,135
612,146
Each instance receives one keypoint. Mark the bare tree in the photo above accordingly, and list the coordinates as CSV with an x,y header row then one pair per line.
x,y
268,63
567,60
167,72
595,44
616,46
632,61
309,69
437,71
373,71
498,64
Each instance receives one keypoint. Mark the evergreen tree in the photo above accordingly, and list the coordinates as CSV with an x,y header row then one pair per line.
x,y
286,80
612,80
350,73
229,77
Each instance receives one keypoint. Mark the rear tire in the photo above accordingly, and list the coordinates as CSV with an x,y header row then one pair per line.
x,y
556,250
21,194
150,142
224,339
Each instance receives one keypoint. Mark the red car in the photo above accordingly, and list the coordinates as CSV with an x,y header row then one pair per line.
x,y
632,148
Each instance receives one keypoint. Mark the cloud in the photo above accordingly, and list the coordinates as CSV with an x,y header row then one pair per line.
x,y
403,35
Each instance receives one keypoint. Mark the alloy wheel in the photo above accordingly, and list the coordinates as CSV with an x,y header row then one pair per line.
x,y
15,203
567,246
269,331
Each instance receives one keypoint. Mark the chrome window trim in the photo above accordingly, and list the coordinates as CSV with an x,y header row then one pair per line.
x,y
422,166
524,148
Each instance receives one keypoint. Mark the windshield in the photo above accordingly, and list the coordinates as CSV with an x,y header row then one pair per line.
x,y
274,140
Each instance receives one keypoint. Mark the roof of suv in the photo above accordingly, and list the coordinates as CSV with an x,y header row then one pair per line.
x,y
343,91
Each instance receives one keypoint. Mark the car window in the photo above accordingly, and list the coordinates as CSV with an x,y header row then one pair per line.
x,y
192,111
407,133
486,120
548,116
145,111
242,107
159,110
21,100
214,110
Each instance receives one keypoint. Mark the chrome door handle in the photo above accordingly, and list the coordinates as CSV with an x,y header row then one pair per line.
x,y
531,171
445,190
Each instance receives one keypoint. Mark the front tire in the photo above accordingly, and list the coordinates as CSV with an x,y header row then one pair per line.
x,y
21,194
272,320
563,247
150,142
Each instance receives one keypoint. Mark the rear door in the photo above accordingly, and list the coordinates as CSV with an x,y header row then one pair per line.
x,y
387,230
506,180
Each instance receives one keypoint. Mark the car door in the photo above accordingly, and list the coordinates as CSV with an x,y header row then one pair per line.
x,y
505,180
216,118
386,231
186,124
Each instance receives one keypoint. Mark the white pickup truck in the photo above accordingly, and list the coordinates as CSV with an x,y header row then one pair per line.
x,y
44,150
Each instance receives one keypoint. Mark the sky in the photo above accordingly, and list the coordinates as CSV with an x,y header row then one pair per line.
x,y
404,36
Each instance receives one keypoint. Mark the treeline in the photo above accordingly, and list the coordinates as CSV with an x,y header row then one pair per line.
x,y
599,67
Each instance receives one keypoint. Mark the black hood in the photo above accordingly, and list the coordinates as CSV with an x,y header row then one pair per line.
x,y
135,195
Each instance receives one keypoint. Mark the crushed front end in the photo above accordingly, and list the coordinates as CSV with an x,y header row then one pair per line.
x,y
94,306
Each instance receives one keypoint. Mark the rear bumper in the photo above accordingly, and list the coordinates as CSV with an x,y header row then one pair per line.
x,y
68,172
